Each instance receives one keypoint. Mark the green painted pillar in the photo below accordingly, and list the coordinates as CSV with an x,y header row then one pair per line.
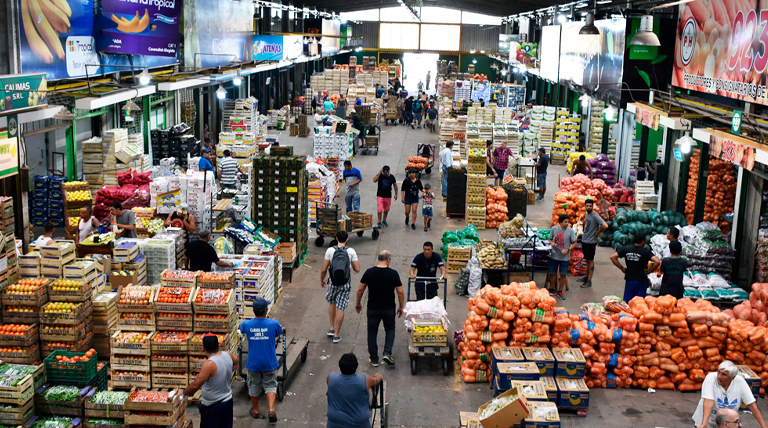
x,y
71,151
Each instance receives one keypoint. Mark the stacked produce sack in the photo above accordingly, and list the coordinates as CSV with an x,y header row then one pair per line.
x,y
495,207
721,190
708,252
622,194
604,169
467,236
628,223
572,205
578,265
583,185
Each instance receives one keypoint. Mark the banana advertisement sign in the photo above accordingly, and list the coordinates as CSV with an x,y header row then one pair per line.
x,y
23,91
140,27
9,159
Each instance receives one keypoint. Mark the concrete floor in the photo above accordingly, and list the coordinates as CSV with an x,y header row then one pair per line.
x,y
429,399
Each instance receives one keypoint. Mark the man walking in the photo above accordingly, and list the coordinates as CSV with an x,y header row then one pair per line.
x,y
382,283
635,274
228,169
501,161
261,333
563,240
386,182
541,173
594,226
425,265
352,177
446,159
215,378
341,260
429,77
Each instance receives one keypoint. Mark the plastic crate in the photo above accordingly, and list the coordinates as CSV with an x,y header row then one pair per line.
x,y
100,380
59,371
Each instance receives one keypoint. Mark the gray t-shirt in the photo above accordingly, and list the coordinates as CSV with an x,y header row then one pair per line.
x,y
563,239
349,178
127,217
592,224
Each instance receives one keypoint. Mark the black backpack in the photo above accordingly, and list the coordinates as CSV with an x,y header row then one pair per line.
x,y
340,264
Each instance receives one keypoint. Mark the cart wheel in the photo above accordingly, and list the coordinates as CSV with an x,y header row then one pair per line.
x,y
413,366
280,391
428,170
385,415
360,233
375,234
333,242
445,366
304,355
319,241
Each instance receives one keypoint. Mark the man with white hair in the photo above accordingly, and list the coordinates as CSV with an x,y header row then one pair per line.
x,y
724,389
726,418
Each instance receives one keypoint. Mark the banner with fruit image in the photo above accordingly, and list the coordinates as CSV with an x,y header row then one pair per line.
x,y
23,91
722,48
9,155
140,27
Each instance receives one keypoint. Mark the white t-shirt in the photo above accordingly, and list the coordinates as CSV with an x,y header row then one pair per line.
x,y
85,228
351,251
446,157
40,242
738,393
318,119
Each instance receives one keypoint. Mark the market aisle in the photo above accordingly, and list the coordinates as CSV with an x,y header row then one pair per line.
x,y
428,399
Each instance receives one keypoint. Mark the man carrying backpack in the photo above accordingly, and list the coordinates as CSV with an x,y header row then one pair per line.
x,y
341,260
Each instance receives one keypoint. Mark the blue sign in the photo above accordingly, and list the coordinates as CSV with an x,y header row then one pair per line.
x,y
267,48
678,154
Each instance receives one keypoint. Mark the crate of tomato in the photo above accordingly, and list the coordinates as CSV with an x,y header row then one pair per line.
x,y
216,280
18,334
214,301
174,299
170,342
71,366
179,278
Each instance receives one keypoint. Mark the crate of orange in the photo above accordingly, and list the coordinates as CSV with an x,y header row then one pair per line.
x,y
214,301
215,323
26,292
174,299
170,342
136,298
20,354
67,366
172,321
216,280
179,278
18,334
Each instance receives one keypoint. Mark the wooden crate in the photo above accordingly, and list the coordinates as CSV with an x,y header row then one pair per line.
x,y
38,297
178,282
126,252
196,362
212,308
169,379
211,325
169,347
31,335
128,362
432,338
131,348
167,323
19,394
123,381
137,324
360,219
96,410
63,408
81,269
125,307
178,362
75,317
18,414
225,280
173,404
185,307
87,424
58,248
79,295
81,345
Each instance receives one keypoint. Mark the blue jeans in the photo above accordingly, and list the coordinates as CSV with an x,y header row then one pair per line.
x,y
353,202
374,318
445,181
635,288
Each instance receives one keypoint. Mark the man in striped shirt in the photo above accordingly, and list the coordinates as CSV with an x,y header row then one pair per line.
x,y
228,169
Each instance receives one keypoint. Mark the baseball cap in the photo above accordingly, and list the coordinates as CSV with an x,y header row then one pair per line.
x,y
259,304
183,206
206,150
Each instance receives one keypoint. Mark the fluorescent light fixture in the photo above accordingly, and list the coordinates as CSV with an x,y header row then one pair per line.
x,y
589,28
685,142
237,80
221,93
144,78
580,5
645,35
604,1
359,49
482,52
64,114
472,51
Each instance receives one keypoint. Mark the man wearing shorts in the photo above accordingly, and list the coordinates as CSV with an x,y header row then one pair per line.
x,y
261,333
563,241
386,182
338,295
541,173
594,226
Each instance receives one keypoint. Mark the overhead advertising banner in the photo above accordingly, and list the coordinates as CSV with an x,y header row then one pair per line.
x,y
550,52
267,48
721,47
23,91
732,151
216,32
594,62
647,117
140,27
9,155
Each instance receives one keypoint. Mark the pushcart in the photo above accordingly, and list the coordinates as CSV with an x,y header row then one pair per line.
x,y
393,114
371,142
293,350
426,151
327,216
378,406
443,350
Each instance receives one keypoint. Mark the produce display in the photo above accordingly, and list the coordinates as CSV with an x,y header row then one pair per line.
x,y
198,337
709,253
173,295
489,255
52,422
20,309
169,336
581,184
17,369
512,228
66,285
417,162
573,205
60,307
212,296
13,329
88,354
721,190
135,316
495,206
131,337
142,396
628,223
78,195
135,295
178,274
62,393
25,286
212,276
496,404
604,169
429,329
9,380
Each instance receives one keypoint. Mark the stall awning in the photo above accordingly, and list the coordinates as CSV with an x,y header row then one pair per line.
x,y
733,148
674,121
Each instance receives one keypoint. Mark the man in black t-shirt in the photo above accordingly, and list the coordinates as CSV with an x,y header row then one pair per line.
x,y
199,254
382,283
636,272
426,265
386,182
673,268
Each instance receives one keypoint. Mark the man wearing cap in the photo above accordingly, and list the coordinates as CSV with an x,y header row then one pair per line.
x,y
261,333
205,161
215,378
200,254
386,182
181,218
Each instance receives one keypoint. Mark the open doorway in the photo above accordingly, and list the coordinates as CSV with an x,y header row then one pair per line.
x,y
416,66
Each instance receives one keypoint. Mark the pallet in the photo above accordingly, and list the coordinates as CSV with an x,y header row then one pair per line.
x,y
445,353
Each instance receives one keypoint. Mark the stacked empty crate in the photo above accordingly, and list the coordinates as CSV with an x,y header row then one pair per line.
x,y
104,321
11,272
256,280
476,166
458,256
166,145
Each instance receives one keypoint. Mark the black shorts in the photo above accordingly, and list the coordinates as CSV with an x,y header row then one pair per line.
x,y
588,250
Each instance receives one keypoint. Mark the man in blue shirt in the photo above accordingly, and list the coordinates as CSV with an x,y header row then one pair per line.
x,y
261,333
205,162
352,177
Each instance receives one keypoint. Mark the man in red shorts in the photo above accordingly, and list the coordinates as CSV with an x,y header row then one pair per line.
x,y
386,182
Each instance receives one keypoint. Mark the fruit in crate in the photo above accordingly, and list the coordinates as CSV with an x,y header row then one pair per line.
x,y
74,359
60,307
128,373
71,184
78,195
135,316
172,315
66,285
135,295
210,276
74,221
168,357
12,349
149,396
212,296
211,316
429,329
20,309
13,329
131,337
179,274
199,337
24,286
171,336
173,295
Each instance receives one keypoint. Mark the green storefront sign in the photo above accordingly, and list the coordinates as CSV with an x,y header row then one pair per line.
x,y
23,91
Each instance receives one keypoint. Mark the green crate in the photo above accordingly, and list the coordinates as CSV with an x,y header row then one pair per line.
x,y
59,371
99,381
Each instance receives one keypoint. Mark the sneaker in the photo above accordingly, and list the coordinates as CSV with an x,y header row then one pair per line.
x,y
559,294
385,223
413,127
418,127
379,224
429,223
552,292
413,226
539,198
586,284
331,333
373,363
583,279
425,228
337,339
388,360
406,221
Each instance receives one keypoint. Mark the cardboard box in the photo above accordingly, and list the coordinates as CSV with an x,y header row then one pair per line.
x,y
572,393
753,380
542,415
508,354
122,278
551,387
516,371
543,359
531,199
531,390
570,362
507,416
469,420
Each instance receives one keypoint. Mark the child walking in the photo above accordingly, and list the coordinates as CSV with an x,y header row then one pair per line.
x,y
426,209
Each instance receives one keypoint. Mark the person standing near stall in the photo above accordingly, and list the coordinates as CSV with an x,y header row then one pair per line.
x,y
563,240
594,226
215,377
123,220
199,254
446,159
205,162
87,226
181,218
501,161
46,238
341,107
429,77
673,268
635,274
228,169
541,173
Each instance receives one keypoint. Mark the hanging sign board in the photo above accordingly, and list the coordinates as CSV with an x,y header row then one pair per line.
x,y
647,117
9,155
736,122
732,151
21,91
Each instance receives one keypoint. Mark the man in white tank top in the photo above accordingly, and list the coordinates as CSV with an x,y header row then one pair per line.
x,y
215,376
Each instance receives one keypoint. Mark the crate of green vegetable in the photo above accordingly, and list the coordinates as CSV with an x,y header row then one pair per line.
x,y
106,404
69,367
54,422
60,400
104,423
16,389
17,414
37,372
